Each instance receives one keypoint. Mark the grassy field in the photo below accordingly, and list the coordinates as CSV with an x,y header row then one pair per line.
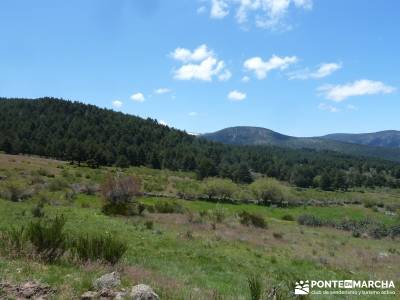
x,y
189,255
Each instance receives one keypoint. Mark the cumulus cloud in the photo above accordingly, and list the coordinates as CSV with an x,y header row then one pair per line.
x,y
219,9
362,87
117,104
328,107
236,96
261,68
322,71
245,79
138,97
267,13
199,64
162,91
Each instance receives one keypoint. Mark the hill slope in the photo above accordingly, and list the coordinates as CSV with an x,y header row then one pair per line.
x,y
387,138
244,135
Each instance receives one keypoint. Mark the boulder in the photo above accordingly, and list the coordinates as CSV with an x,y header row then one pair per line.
x,y
89,295
143,292
107,281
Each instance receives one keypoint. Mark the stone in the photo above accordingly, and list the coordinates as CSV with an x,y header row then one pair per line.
x,y
89,295
143,292
107,281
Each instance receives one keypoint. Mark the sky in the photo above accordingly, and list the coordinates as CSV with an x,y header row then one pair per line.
x,y
299,67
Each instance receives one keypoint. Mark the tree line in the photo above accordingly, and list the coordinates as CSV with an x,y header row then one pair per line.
x,y
82,133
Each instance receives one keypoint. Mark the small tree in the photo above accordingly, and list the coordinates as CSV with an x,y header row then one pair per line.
x,y
268,190
119,194
218,187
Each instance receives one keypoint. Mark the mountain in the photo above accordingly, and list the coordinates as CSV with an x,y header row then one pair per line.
x,y
388,138
246,135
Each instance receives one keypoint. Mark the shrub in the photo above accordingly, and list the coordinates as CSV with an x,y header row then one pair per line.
x,y
252,219
14,192
269,191
164,207
310,220
218,214
118,193
255,287
58,184
277,235
287,217
48,238
218,188
149,224
37,211
105,248
118,189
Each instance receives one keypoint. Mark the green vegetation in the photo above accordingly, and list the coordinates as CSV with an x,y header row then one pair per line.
x,y
187,249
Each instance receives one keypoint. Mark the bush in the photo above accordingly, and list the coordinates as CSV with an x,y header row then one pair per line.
x,y
14,192
48,238
104,248
118,189
277,235
38,211
252,219
269,191
149,224
310,220
118,193
255,287
164,207
287,217
58,184
218,188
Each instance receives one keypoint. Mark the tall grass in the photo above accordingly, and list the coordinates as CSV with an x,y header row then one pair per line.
x,y
104,248
255,287
48,238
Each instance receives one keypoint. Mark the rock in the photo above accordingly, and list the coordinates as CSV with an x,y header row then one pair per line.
x,y
89,295
107,281
143,292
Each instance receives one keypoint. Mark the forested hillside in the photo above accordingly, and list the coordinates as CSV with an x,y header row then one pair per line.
x,y
87,134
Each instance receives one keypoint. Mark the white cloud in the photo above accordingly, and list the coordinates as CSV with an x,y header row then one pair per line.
x,y
162,91
226,75
219,9
362,87
199,64
185,55
138,97
245,79
201,10
269,14
327,107
322,71
192,114
261,68
162,122
117,104
236,96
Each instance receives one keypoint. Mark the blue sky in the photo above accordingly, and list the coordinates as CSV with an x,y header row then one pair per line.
x,y
300,67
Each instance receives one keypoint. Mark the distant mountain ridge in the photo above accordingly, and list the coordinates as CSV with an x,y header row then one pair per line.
x,y
387,138
364,145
